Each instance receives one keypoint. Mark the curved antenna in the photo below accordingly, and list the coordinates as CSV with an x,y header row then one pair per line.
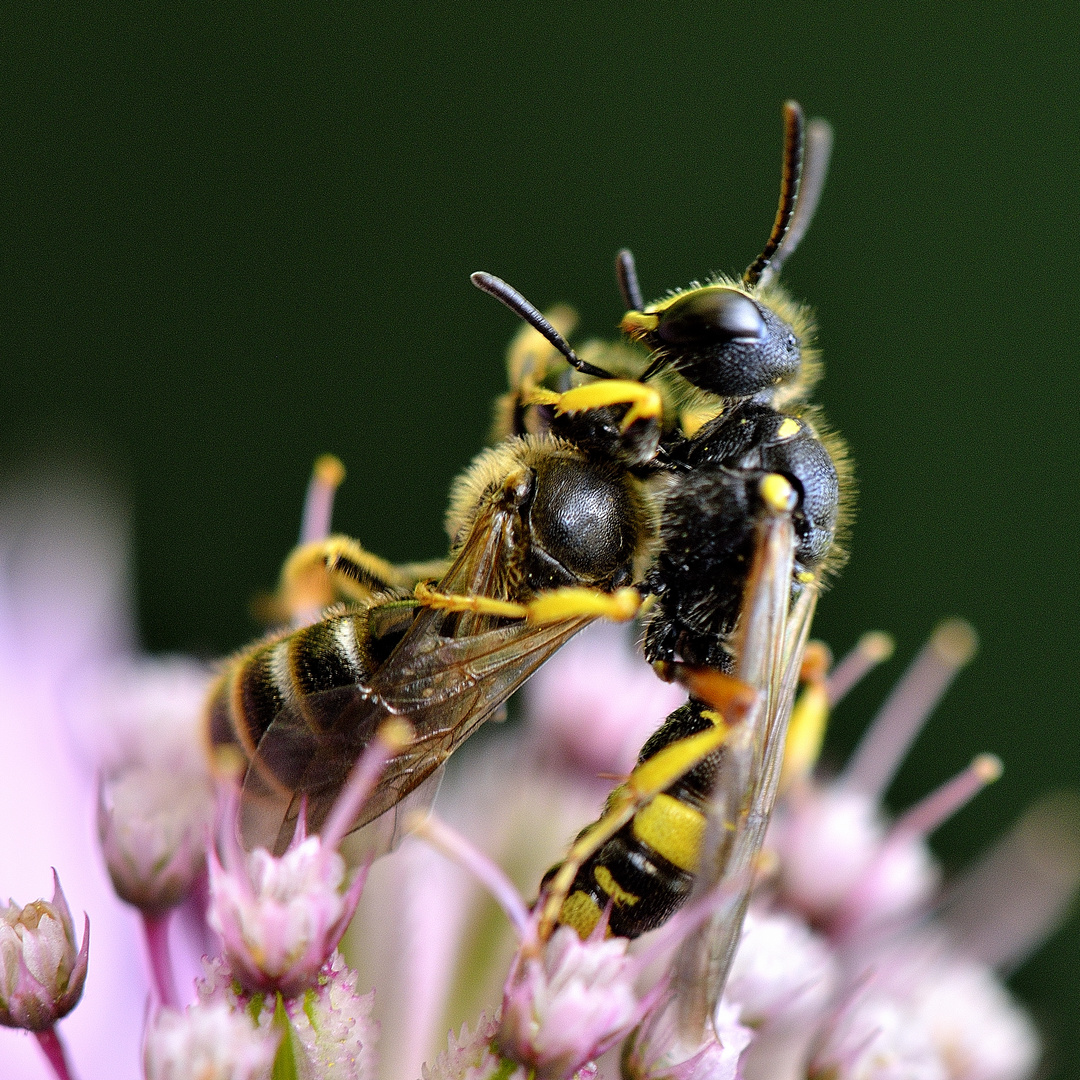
x,y
818,151
626,272
789,190
521,307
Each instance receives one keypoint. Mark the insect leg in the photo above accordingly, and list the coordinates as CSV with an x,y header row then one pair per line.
x,y
556,605
322,572
645,402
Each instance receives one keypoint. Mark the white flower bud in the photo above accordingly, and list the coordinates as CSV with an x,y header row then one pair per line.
x,y
153,824
42,970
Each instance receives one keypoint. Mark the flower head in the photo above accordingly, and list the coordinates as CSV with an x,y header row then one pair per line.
x,y
565,1001
329,1030
153,824
208,1042
280,918
42,969
567,1005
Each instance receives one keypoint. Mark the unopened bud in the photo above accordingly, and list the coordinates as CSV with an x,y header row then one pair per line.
x,y
42,969
153,824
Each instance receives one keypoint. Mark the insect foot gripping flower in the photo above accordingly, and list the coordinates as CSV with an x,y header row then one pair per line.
x,y
43,970
208,1042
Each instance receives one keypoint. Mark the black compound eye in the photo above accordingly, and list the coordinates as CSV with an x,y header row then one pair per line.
x,y
712,316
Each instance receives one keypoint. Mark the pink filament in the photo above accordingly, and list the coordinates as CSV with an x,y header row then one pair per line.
x,y
452,844
870,650
901,718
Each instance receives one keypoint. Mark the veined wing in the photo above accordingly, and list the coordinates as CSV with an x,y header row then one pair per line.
x,y
444,687
771,639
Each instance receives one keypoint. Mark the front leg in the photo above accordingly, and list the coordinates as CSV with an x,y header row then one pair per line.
x,y
323,572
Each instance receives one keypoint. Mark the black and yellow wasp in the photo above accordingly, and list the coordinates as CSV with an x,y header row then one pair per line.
x,y
716,497
544,540
751,492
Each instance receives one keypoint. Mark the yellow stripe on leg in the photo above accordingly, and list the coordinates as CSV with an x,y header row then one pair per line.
x,y
480,605
575,603
676,759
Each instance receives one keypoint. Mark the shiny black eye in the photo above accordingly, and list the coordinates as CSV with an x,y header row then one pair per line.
x,y
712,316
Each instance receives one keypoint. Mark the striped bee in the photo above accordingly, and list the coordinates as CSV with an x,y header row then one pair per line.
x,y
544,540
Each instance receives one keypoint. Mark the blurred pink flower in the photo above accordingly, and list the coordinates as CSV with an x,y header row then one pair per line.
x,y
208,1042
65,634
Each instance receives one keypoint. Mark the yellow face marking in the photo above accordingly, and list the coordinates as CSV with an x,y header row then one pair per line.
x,y
805,577
672,829
637,323
581,912
788,428
613,888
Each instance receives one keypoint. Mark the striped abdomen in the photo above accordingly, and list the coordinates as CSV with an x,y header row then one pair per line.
x,y
284,670
646,870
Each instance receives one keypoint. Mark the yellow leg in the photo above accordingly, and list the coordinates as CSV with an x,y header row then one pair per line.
x,y
323,572
730,701
809,717
644,401
554,606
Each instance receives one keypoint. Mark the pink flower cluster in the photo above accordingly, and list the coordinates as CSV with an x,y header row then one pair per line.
x,y
212,962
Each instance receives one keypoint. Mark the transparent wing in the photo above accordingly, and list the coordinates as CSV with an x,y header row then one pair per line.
x,y
770,642
445,687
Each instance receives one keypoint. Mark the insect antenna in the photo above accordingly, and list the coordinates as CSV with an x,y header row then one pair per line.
x,y
527,312
626,272
789,191
818,150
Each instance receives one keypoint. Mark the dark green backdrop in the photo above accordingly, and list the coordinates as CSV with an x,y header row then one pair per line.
x,y
235,236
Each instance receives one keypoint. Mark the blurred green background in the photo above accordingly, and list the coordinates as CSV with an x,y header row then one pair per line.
x,y
235,236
